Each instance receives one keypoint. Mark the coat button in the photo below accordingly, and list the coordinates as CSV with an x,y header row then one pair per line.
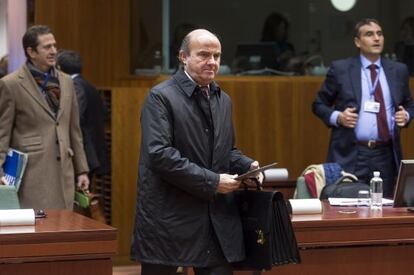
x,y
58,158
208,251
206,130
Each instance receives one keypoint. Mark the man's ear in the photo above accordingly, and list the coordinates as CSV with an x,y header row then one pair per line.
x,y
357,42
30,51
182,56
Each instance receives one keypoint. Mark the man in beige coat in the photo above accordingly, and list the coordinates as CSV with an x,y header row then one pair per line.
x,y
39,116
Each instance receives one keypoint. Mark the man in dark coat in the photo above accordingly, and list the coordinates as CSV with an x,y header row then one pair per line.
x,y
91,112
366,100
186,214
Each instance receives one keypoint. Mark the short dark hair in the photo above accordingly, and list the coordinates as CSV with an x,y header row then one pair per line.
x,y
30,38
69,62
363,22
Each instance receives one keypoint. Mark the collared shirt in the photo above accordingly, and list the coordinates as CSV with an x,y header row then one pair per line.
x,y
194,80
74,75
366,127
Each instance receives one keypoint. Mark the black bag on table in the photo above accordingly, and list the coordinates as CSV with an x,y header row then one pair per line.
x,y
268,233
344,187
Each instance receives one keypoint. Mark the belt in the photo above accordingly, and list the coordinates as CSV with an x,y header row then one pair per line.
x,y
372,144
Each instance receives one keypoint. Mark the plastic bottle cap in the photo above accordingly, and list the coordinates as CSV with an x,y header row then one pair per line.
x,y
376,174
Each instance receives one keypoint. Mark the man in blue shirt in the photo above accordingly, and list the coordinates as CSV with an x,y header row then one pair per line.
x,y
366,100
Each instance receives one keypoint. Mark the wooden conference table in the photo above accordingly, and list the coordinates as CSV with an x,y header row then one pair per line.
x,y
64,243
351,240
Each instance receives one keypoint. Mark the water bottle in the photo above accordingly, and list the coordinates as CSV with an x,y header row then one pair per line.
x,y
376,191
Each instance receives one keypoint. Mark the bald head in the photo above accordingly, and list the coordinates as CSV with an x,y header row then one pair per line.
x,y
195,35
200,55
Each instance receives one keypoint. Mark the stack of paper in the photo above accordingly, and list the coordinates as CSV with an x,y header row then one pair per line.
x,y
17,217
14,167
275,174
354,202
305,206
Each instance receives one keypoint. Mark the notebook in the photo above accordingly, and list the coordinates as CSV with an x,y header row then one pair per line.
x,y
14,167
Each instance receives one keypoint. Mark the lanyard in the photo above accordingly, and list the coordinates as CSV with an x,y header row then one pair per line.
x,y
372,86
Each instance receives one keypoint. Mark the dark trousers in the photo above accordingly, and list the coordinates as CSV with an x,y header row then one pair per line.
x,y
378,159
156,269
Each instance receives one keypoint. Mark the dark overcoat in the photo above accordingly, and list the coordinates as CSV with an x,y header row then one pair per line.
x,y
180,162
92,122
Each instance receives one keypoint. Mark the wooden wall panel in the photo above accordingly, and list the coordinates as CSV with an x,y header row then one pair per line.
x,y
407,134
269,115
126,141
98,29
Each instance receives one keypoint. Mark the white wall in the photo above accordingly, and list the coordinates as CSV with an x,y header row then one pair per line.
x,y
3,28
16,27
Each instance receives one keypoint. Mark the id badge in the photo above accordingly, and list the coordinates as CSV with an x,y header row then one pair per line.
x,y
371,106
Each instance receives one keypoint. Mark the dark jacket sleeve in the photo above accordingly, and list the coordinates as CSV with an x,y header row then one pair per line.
x,y
86,127
407,100
163,159
323,105
239,163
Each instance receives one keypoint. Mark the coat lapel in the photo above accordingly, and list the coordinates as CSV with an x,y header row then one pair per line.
x,y
64,86
390,72
30,86
355,73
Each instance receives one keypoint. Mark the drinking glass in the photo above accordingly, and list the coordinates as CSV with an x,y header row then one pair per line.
x,y
363,198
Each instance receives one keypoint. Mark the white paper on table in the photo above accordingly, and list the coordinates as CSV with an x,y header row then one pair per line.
x,y
306,206
275,174
17,217
353,201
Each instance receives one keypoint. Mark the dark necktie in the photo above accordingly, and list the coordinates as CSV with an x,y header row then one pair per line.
x,y
204,104
383,132
206,91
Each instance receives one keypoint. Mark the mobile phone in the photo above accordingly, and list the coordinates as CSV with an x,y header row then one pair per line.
x,y
40,213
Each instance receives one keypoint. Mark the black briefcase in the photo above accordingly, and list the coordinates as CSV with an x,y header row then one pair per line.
x,y
268,233
344,187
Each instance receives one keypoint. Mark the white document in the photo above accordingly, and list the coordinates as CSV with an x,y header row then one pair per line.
x,y
275,174
17,217
353,201
306,206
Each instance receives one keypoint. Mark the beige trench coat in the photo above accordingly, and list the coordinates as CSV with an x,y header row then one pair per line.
x,y
54,145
